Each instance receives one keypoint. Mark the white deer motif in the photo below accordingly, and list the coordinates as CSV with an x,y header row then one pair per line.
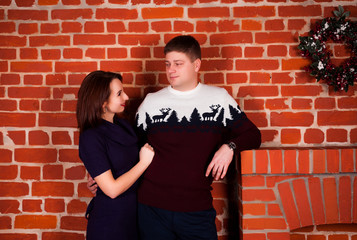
x,y
160,118
208,116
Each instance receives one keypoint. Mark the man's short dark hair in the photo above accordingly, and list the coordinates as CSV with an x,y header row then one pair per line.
x,y
185,44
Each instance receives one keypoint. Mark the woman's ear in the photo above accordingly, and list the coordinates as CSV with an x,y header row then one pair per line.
x,y
197,64
105,107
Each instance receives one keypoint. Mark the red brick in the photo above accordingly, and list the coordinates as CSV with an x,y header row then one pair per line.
x,y
29,105
17,236
71,14
276,24
28,28
161,26
231,38
98,53
328,118
4,66
39,41
294,64
83,191
183,26
219,190
263,223
54,205
29,92
296,24
253,52
48,2
35,221
325,103
73,223
28,53
206,26
274,210
228,25
208,12
9,206
253,181
41,15
290,161
301,103
258,195
13,189
49,28
76,206
214,78
24,3
290,136
94,27
8,172
52,172
135,39
347,102
65,189
253,104
330,196
12,41
75,173
274,37
121,66
314,136
344,200
333,160
277,235
259,119
290,210
35,155
31,66
50,54
336,135
72,53
61,138
117,26
219,205
304,161
69,155
31,205
289,119
316,200
33,79
347,160
71,27
214,65
301,90
299,11
108,13
138,27
276,161
7,53
117,53
354,213
319,161
231,52
62,235
5,222
51,105
258,91
254,209
261,11
253,236
251,25
302,202
30,173
158,12
276,103
16,119
247,162
57,120
256,64
62,92
277,51
8,105
38,138
94,39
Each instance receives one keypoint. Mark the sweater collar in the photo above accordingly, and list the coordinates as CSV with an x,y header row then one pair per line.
x,y
120,131
185,93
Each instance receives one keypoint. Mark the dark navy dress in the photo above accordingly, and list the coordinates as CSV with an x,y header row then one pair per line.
x,y
111,146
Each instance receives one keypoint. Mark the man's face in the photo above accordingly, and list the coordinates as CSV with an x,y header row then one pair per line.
x,y
181,72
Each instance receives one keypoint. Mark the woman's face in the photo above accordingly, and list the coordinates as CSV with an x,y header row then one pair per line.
x,y
117,98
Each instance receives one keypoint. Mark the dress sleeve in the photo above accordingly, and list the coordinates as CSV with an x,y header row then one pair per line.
x,y
241,130
92,152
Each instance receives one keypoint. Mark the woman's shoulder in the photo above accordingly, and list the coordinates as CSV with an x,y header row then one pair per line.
x,y
91,136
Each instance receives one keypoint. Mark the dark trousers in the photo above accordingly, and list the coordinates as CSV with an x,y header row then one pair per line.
x,y
160,224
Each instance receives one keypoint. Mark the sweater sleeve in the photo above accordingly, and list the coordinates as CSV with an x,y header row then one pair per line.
x,y
241,130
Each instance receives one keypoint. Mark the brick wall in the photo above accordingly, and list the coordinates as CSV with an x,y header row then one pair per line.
x,y
48,46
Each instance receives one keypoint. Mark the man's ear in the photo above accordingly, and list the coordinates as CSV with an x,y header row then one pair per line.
x,y
197,64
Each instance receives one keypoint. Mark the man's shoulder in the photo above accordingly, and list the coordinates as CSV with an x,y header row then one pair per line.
x,y
160,93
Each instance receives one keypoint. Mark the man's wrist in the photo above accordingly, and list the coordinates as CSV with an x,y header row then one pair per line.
x,y
232,146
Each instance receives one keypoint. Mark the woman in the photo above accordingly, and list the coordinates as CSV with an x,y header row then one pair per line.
x,y
109,150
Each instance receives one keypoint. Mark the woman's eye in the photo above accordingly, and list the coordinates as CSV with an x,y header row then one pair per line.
x,y
119,93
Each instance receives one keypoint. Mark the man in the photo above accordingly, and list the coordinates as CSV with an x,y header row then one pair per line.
x,y
195,130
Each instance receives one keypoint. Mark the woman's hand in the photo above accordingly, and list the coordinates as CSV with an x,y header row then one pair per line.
x,y
146,154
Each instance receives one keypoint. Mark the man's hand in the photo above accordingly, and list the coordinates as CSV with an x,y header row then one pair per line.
x,y
220,162
92,185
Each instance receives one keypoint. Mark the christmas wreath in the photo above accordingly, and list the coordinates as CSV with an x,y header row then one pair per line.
x,y
313,47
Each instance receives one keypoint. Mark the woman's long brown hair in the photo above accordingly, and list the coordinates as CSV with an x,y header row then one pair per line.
x,y
94,91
